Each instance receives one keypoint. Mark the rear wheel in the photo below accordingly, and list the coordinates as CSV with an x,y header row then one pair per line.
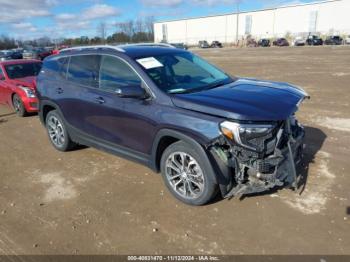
x,y
184,173
18,106
57,132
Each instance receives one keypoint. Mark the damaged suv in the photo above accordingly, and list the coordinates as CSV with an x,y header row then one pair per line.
x,y
174,112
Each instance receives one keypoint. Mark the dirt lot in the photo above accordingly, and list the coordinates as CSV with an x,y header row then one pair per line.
x,y
90,202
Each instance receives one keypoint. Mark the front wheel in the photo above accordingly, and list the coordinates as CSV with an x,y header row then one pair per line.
x,y
18,106
184,173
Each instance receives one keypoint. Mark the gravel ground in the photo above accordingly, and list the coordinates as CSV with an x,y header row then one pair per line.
x,y
90,202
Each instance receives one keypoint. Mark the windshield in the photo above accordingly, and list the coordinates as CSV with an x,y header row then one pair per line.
x,y
22,70
182,73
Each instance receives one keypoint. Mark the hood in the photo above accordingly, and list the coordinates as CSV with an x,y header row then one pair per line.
x,y
29,81
245,99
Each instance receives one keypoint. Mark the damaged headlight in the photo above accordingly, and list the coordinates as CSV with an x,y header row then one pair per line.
x,y
251,136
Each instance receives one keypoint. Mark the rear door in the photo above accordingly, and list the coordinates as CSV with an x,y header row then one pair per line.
x,y
75,94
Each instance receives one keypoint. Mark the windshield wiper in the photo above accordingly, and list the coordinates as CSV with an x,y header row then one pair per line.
x,y
217,84
198,89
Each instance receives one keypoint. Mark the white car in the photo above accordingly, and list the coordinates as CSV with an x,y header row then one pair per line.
x,y
347,40
299,41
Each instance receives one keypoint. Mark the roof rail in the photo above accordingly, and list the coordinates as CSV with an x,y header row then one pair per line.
x,y
147,44
92,47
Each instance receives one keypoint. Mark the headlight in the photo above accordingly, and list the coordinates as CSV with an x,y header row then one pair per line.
x,y
247,135
29,92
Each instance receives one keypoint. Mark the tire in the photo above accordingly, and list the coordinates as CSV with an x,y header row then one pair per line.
x,y
19,106
200,188
57,132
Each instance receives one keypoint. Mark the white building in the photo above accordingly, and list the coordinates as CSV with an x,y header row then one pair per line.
x,y
326,17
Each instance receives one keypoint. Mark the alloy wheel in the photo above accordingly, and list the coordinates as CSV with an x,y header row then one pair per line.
x,y
184,175
17,104
56,131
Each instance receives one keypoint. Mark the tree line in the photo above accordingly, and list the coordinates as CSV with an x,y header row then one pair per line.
x,y
132,31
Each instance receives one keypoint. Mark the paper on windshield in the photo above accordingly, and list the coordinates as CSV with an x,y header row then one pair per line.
x,y
149,62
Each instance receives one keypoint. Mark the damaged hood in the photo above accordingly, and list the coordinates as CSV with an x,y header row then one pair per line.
x,y
245,99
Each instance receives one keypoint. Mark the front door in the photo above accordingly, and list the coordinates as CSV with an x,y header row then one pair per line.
x,y
123,121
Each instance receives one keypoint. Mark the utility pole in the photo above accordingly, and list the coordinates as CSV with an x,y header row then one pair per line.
x,y
237,22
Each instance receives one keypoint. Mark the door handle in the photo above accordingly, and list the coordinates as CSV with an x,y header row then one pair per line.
x,y
100,100
59,90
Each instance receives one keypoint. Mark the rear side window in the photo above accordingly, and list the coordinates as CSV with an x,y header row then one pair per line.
x,y
115,73
57,66
84,70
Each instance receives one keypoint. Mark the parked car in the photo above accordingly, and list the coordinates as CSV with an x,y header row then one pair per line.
x,y
216,44
36,53
174,112
18,85
314,40
347,40
179,45
333,40
56,51
203,44
299,41
29,54
42,53
251,42
264,42
281,42
9,55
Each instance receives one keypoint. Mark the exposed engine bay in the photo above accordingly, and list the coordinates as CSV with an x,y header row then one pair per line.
x,y
255,158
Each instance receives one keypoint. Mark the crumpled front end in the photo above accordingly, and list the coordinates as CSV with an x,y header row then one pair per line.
x,y
256,158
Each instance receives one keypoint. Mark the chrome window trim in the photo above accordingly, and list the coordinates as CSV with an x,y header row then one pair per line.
x,y
149,90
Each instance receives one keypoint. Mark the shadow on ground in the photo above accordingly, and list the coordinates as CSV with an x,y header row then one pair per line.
x,y
9,114
314,139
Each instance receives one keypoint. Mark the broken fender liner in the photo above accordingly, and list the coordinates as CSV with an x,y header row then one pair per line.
x,y
223,169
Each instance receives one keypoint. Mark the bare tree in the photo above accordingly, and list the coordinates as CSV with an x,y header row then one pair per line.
x,y
149,23
139,25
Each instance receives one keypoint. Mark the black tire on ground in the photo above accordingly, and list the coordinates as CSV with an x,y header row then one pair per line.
x,y
55,126
210,188
18,106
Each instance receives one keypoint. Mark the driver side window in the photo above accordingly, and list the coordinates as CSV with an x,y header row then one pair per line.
x,y
115,73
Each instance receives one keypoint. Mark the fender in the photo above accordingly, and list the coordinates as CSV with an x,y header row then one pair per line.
x,y
180,136
43,103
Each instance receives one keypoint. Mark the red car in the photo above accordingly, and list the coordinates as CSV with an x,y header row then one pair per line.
x,y
18,85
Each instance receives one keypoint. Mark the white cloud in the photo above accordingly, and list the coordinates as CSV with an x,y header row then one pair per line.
x,y
277,3
75,23
99,11
161,3
17,11
24,26
214,2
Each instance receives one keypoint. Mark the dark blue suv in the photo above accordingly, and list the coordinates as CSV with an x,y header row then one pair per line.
x,y
174,112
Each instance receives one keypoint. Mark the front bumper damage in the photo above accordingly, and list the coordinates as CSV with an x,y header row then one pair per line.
x,y
244,171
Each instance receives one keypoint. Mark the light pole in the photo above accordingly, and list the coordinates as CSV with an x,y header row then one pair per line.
x,y
237,22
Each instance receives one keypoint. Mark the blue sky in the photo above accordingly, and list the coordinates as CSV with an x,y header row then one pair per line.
x,y
25,19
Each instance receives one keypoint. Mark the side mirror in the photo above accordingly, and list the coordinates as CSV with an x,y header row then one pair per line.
x,y
131,92
2,77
